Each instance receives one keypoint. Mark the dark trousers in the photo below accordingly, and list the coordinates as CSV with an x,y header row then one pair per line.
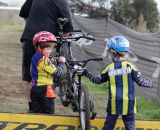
x,y
41,103
28,51
128,120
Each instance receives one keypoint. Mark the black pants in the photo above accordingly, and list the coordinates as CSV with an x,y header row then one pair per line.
x,y
40,103
28,51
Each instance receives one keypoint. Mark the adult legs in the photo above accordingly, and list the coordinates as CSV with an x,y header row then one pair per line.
x,y
28,51
28,87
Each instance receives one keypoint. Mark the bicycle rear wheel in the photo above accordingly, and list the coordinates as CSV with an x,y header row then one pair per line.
x,y
84,108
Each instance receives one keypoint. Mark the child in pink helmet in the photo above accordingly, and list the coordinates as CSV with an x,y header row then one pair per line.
x,y
42,93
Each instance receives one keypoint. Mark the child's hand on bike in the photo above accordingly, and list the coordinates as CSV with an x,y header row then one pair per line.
x,y
62,59
80,71
85,71
53,60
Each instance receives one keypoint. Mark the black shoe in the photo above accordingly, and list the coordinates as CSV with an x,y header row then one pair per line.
x,y
29,111
30,106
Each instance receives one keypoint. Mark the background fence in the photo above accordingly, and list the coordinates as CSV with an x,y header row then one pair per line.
x,y
145,46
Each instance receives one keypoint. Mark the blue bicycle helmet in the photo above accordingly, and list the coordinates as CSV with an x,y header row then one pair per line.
x,y
118,44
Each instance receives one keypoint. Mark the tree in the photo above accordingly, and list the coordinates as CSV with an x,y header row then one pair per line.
x,y
123,12
142,25
148,8
89,8
128,12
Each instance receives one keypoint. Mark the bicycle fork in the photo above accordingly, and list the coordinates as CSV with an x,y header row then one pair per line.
x,y
92,103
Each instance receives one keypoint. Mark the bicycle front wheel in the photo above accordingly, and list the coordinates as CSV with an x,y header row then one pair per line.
x,y
84,108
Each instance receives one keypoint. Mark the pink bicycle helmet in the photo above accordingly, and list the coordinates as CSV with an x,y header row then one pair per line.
x,y
43,36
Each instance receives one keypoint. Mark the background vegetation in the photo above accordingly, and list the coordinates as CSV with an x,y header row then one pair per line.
x,y
126,12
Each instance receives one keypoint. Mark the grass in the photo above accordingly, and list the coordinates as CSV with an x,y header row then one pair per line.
x,y
147,109
99,95
15,27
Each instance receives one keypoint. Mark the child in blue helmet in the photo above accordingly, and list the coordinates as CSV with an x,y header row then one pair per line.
x,y
121,75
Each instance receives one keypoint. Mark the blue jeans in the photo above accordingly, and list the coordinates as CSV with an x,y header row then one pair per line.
x,y
128,120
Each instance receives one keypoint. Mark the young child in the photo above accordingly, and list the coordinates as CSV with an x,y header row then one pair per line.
x,y
42,94
121,75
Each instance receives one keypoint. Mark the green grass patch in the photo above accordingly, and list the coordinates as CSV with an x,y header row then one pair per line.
x,y
147,109
15,27
99,95
102,88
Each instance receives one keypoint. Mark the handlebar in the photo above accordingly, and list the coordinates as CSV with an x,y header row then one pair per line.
x,y
71,63
76,37
73,37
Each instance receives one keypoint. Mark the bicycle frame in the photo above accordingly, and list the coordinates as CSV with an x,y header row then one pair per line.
x,y
71,89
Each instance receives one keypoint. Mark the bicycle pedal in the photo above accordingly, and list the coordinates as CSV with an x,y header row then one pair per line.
x,y
93,115
74,108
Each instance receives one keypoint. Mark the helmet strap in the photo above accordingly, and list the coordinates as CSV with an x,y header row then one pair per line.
x,y
112,54
39,51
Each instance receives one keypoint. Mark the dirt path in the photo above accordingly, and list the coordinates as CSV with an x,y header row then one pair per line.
x,y
10,76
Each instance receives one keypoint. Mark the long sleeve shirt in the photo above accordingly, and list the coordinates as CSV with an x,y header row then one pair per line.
x,y
121,77
42,15
43,70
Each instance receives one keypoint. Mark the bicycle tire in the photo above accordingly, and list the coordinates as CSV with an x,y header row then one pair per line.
x,y
84,108
63,91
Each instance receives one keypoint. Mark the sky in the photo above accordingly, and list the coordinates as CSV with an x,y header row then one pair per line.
x,y
13,2
20,2
158,3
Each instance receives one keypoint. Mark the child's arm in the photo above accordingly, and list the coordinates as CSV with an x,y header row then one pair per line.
x,y
60,66
59,69
50,68
101,78
137,77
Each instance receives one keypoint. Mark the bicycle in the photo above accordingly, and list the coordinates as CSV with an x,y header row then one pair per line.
x,y
71,89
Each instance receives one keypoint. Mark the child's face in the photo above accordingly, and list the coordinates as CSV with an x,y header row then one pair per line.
x,y
47,50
